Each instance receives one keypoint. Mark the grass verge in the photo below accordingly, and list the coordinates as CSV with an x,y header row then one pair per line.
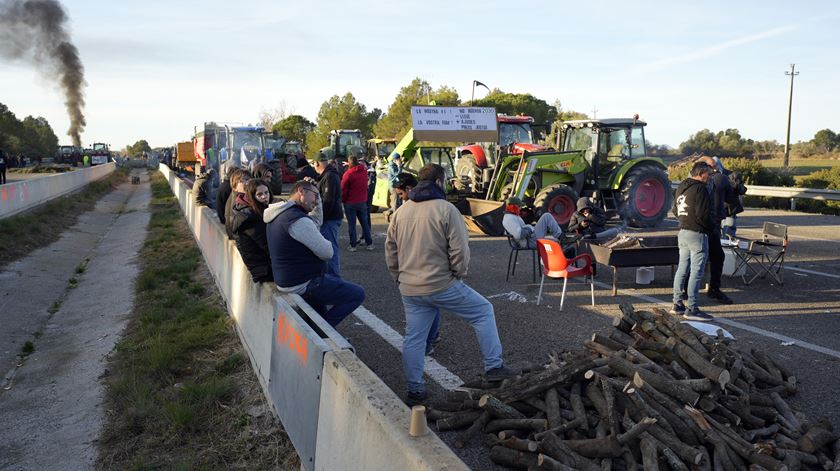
x,y
180,390
41,226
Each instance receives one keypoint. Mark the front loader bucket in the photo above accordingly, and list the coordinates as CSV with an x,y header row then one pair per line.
x,y
483,216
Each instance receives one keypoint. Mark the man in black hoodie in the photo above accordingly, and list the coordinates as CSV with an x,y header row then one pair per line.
x,y
329,185
693,208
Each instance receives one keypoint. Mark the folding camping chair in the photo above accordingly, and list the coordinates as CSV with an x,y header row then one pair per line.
x,y
765,256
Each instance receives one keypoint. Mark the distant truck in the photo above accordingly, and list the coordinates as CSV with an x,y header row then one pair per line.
x,y
185,158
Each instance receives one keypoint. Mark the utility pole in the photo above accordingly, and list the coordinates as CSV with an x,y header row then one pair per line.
x,y
594,113
792,74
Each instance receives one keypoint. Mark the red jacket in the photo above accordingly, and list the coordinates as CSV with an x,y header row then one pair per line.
x,y
354,185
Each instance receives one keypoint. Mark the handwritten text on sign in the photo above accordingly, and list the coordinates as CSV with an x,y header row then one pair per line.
x,y
454,123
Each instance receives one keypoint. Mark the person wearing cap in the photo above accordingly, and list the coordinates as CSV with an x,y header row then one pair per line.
x,y
526,235
329,185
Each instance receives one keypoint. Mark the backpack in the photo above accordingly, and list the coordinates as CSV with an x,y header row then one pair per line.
x,y
733,195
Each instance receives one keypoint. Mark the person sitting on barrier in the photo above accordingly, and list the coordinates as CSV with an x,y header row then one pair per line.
x,y
526,235
246,221
201,188
299,255
589,221
428,254
237,183
224,190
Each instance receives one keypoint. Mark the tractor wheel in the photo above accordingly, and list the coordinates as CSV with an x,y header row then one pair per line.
x,y
468,171
646,196
559,200
276,182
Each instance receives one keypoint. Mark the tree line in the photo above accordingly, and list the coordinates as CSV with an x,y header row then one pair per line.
x,y
730,143
31,137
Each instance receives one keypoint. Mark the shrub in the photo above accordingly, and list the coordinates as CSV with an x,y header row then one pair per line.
x,y
750,169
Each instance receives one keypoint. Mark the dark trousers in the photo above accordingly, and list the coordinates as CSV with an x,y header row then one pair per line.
x,y
2,174
333,298
716,257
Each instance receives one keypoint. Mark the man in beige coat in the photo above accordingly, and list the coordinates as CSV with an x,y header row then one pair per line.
x,y
427,252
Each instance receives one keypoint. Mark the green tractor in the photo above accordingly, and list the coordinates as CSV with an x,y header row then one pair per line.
x,y
604,159
343,143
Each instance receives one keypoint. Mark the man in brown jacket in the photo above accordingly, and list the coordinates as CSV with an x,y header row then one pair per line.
x,y
427,252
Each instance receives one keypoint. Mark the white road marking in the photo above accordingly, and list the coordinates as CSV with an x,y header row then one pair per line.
x,y
737,325
811,272
439,374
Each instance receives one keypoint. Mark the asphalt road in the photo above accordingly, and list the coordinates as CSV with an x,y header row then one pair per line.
x,y
805,310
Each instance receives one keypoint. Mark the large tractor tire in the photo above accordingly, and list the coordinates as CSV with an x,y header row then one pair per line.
x,y
646,196
276,182
559,200
468,171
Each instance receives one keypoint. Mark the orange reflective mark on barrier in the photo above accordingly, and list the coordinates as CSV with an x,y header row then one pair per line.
x,y
3,194
287,336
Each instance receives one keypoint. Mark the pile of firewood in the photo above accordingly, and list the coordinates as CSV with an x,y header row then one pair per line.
x,y
654,394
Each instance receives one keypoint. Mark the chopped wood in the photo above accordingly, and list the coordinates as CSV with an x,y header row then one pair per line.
x,y
498,409
547,463
457,421
512,458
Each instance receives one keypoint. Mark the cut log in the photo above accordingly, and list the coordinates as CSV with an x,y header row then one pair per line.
x,y
477,427
636,430
671,388
785,410
498,409
607,447
552,446
547,463
702,366
519,444
512,458
457,421
552,408
650,455
536,383
537,425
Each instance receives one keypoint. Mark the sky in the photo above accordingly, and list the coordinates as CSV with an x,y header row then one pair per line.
x,y
157,69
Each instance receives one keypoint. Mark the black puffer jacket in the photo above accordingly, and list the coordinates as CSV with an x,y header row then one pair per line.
x,y
222,195
249,232
329,184
595,222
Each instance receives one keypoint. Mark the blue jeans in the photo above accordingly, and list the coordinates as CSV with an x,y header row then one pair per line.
x,y
420,315
694,250
328,290
358,211
329,229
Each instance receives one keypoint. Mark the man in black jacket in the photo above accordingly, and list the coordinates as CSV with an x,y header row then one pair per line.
x,y
719,191
329,185
590,221
692,206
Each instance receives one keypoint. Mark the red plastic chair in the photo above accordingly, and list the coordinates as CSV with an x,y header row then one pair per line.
x,y
556,265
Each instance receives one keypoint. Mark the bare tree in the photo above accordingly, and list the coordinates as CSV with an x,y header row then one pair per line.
x,y
268,118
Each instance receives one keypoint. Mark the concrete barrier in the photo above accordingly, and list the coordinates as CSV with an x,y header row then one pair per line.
x,y
20,196
338,413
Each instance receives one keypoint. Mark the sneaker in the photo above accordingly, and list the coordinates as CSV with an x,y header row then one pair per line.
x,y
430,349
719,296
370,248
697,315
678,309
500,373
416,398
351,249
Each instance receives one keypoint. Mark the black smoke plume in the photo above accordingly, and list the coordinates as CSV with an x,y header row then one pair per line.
x,y
35,31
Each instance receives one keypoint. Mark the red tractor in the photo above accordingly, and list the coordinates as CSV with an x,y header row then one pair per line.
x,y
476,161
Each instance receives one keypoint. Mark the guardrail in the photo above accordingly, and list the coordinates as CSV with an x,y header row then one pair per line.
x,y
792,193
336,411
26,194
